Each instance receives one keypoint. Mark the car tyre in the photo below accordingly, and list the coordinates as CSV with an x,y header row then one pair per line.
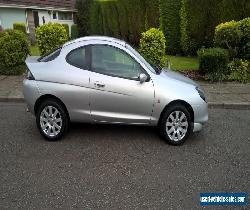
x,y
176,125
52,120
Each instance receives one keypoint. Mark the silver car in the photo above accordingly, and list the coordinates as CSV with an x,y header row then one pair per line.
x,y
104,80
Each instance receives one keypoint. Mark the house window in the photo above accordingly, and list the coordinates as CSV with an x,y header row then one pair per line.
x,y
54,15
64,16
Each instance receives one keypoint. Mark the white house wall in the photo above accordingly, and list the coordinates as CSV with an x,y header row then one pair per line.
x,y
8,16
48,17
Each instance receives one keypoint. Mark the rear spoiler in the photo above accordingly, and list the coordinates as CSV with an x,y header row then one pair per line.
x,y
32,59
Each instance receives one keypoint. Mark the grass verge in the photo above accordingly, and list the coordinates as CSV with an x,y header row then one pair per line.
x,y
181,63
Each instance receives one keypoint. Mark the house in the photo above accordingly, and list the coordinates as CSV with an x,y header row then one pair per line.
x,y
36,12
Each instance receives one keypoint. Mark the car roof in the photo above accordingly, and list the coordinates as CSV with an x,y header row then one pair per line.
x,y
96,38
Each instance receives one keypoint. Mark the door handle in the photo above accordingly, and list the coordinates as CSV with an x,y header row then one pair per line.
x,y
100,85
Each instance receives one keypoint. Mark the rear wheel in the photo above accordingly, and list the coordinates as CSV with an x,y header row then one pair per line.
x,y
176,125
52,120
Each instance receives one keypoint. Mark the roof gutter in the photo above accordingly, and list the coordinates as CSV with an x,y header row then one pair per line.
x,y
36,7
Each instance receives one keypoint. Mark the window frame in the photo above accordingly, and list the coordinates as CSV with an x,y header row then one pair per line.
x,y
113,75
46,58
56,15
87,58
59,13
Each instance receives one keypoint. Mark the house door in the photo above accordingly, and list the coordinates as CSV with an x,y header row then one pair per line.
x,y
36,18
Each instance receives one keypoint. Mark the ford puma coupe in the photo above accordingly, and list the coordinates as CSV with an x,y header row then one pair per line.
x,y
104,80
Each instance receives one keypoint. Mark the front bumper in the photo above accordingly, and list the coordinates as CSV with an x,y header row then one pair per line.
x,y
197,127
200,116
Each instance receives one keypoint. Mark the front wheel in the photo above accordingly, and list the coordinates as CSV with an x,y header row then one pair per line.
x,y
52,120
176,125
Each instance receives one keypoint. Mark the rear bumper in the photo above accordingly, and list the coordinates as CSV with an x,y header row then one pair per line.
x,y
30,93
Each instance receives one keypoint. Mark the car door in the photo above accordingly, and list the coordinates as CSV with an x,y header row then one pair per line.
x,y
76,93
116,95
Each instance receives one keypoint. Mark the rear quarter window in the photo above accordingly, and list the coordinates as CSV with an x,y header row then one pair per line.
x,y
50,56
78,58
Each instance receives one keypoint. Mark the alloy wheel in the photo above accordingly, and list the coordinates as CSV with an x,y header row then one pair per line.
x,y
177,125
51,121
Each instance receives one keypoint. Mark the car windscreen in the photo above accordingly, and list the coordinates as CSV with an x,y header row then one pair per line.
x,y
51,55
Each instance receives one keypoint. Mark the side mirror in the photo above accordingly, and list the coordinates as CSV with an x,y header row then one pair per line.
x,y
143,78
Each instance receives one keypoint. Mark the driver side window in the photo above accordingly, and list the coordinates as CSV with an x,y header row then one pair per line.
x,y
114,62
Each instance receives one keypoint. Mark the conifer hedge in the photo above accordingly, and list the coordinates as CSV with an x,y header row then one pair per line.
x,y
170,24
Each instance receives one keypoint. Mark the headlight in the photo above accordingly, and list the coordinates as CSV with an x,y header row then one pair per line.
x,y
202,95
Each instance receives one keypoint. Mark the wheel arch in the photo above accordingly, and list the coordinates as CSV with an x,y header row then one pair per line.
x,y
179,102
46,97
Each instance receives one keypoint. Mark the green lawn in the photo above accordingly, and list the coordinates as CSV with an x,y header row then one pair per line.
x,y
34,50
183,63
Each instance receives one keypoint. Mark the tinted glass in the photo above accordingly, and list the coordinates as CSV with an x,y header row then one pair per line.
x,y
78,58
50,56
115,62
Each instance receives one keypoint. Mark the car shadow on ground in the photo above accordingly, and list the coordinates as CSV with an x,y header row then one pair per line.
x,y
118,132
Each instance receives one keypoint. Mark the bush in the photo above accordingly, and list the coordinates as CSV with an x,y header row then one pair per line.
x,y
14,70
228,36
66,26
213,63
170,24
14,48
244,46
239,70
50,36
74,31
152,46
20,27
234,36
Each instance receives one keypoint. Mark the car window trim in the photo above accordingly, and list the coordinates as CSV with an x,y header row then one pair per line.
x,y
48,55
112,75
87,58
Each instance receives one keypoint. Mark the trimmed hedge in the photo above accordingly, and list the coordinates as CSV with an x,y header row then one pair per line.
x,y
14,48
74,31
83,16
170,24
50,36
124,19
187,24
66,26
152,14
244,49
199,18
152,46
20,27
213,63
